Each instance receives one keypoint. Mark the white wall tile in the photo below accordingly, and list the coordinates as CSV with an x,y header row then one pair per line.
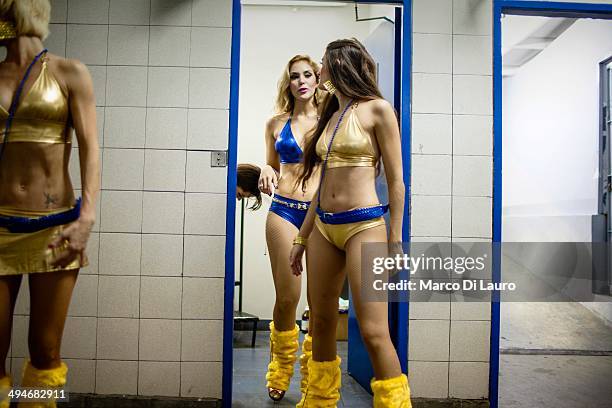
x,y
87,43
432,53
203,298
163,213
118,296
428,379
116,377
470,340
127,86
198,207
472,217
79,339
100,124
432,16
84,300
120,254
473,134
431,215
93,247
201,177
432,134
208,129
98,77
165,170
210,47
166,128
470,310
19,337
164,12
82,378
211,13
59,11
160,340
117,339
56,42
124,127
428,340
130,12
202,340
209,88
121,211
169,46
168,87
431,174
472,54
204,256
472,17
160,297
128,45
429,310
88,11
432,93
159,378
123,169
162,255
473,175
201,379
468,380
472,94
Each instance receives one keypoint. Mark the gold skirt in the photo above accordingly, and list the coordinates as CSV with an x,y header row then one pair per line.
x,y
22,253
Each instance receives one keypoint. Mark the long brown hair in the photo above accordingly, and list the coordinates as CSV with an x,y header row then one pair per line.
x,y
248,178
353,72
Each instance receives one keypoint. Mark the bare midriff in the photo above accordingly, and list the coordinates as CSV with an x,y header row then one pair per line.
x,y
35,176
289,173
347,188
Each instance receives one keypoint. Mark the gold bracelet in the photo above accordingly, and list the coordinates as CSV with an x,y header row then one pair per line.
x,y
300,241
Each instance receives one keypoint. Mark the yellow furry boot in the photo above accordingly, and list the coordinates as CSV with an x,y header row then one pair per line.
x,y
304,358
324,380
35,378
391,393
5,387
283,346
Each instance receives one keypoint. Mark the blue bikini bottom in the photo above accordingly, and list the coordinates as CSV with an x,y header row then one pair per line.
x,y
291,210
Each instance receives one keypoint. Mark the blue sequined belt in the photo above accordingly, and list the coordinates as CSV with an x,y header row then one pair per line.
x,y
356,215
288,202
26,225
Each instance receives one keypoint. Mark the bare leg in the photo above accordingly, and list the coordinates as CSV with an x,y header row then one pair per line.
x,y
9,288
50,295
372,316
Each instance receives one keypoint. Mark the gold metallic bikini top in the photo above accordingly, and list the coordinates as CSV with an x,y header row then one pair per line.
x,y
42,113
352,145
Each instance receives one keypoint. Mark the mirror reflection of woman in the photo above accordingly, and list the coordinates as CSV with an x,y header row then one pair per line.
x,y
357,129
286,135
43,230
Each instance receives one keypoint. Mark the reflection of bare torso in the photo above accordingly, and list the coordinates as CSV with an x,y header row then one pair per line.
x,y
33,176
289,173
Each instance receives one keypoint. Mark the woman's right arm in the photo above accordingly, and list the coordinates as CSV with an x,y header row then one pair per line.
x,y
297,251
268,180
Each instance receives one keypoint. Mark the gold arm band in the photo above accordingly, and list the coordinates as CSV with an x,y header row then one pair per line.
x,y
300,241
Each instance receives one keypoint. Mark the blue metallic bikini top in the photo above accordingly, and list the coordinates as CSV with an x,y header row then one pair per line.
x,y
287,147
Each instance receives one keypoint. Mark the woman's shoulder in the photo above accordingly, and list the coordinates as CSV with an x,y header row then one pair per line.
x,y
276,121
378,105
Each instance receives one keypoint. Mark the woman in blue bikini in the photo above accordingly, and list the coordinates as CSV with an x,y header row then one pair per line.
x,y
286,134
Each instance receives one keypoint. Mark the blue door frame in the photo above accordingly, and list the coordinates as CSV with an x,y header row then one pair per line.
x,y
401,309
527,8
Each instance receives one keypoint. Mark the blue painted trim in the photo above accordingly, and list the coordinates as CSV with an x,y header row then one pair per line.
x,y
534,8
230,216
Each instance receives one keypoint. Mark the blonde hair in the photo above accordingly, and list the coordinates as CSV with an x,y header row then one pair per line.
x,y
31,17
284,99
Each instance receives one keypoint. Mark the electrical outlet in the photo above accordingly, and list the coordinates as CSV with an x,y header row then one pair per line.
x,y
218,158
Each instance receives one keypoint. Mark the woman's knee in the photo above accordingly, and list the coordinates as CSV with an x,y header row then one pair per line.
x,y
287,304
324,322
374,335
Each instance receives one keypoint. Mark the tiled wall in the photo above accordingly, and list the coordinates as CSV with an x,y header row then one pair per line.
x,y
452,168
146,316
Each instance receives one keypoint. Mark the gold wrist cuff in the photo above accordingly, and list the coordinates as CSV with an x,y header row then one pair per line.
x,y
300,241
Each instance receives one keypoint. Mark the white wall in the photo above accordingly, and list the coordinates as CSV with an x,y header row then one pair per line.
x,y
271,35
551,138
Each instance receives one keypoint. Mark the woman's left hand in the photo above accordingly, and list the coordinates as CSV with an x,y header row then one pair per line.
x,y
72,241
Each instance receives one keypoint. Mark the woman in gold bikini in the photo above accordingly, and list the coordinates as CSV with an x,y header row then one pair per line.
x,y
43,229
357,128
